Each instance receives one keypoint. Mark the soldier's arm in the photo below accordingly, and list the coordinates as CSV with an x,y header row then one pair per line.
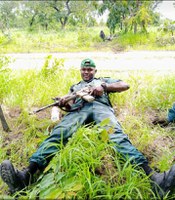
x,y
119,86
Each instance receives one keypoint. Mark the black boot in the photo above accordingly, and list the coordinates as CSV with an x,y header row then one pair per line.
x,y
164,182
15,179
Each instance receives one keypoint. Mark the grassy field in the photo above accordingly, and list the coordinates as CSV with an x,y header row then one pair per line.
x,y
87,168
82,39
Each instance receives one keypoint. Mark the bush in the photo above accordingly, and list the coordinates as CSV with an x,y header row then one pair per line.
x,y
4,76
83,38
165,41
3,39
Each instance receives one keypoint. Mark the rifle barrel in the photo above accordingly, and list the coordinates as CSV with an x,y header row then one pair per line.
x,y
56,103
45,107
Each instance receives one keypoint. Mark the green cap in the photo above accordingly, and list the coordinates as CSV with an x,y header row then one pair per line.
x,y
87,63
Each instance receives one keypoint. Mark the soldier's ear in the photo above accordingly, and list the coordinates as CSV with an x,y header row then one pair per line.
x,y
96,71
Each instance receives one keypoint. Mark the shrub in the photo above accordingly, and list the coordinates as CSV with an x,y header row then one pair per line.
x,y
83,38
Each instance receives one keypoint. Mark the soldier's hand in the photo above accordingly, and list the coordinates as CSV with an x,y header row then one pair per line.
x,y
63,101
97,91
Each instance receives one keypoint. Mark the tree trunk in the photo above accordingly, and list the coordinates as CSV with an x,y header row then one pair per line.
x,y
46,26
32,20
3,121
121,26
135,28
143,26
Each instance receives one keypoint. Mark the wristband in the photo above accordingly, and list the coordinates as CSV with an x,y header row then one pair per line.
x,y
104,86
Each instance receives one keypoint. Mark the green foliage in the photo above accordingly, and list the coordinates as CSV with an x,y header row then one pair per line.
x,y
83,38
37,87
50,69
3,39
4,76
168,26
46,15
128,14
96,39
134,40
165,41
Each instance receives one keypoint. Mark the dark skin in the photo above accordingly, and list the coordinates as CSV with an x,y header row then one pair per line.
x,y
87,74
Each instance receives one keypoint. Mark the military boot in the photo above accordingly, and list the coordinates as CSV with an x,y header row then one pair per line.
x,y
15,179
164,182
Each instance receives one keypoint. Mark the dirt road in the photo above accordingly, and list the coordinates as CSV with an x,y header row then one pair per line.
x,y
124,61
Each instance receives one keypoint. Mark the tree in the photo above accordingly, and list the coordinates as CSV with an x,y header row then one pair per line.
x,y
168,27
46,13
63,11
128,14
36,13
117,10
7,16
142,14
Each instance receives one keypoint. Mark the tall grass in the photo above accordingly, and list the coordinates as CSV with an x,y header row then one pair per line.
x,y
82,39
154,40
68,40
74,172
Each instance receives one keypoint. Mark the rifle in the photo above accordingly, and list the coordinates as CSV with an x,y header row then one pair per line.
x,y
83,93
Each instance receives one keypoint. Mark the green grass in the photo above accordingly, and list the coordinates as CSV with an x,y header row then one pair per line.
x,y
68,40
82,39
76,171
153,40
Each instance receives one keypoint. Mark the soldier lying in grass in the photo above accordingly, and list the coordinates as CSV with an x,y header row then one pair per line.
x,y
85,112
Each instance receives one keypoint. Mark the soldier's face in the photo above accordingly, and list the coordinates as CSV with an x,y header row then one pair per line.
x,y
87,73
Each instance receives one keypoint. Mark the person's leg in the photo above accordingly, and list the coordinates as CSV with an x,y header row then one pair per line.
x,y
16,179
120,139
60,133
171,114
163,182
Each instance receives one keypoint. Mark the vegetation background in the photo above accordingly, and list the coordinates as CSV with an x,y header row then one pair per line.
x,y
87,168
